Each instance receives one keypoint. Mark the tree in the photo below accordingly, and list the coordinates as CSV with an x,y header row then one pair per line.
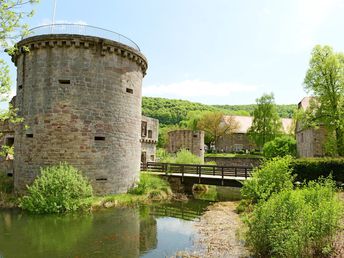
x,y
280,147
266,123
325,79
12,14
214,125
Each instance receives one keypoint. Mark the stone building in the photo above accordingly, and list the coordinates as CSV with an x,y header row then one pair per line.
x,y
80,97
149,138
239,140
310,141
186,139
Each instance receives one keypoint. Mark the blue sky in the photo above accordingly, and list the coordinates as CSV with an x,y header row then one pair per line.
x,y
215,51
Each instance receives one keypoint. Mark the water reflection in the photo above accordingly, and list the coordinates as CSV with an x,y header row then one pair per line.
x,y
150,231
219,193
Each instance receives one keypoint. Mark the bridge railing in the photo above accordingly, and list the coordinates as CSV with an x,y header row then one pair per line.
x,y
195,169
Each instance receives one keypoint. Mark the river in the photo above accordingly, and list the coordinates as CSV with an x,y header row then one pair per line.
x,y
158,230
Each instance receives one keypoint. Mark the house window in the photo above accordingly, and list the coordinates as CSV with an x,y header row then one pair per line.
x,y
150,134
143,129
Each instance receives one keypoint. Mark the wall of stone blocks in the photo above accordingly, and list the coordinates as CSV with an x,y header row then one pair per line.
x,y
311,141
234,142
186,139
80,98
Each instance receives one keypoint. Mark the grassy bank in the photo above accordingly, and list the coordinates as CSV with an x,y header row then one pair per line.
x,y
149,189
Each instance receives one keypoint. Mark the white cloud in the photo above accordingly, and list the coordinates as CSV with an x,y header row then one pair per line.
x,y
196,88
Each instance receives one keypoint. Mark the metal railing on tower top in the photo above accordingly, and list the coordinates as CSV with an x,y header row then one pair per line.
x,y
81,29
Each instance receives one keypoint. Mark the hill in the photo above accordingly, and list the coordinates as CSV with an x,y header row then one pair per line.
x,y
172,111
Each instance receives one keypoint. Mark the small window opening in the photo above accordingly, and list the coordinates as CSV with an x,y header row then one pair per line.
x,y
101,179
152,157
20,86
131,91
150,134
195,135
29,135
99,138
143,129
64,81
9,141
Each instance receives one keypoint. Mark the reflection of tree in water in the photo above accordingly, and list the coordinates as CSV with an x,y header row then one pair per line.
x,y
33,236
148,230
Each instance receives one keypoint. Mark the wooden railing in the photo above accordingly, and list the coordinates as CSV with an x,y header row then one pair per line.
x,y
199,170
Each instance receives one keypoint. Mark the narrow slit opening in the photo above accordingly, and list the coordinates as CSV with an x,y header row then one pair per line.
x,y
29,135
131,91
99,138
64,81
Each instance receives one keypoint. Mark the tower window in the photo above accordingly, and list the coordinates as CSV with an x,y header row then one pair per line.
x,y
29,135
150,134
20,86
131,91
64,81
99,138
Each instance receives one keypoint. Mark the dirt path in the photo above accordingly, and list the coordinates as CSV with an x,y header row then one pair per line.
x,y
219,232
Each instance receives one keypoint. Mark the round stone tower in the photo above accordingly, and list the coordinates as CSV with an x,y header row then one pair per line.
x,y
80,97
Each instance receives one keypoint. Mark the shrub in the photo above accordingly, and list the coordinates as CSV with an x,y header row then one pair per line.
x,y
6,183
313,168
280,147
295,223
182,157
151,185
273,176
58,189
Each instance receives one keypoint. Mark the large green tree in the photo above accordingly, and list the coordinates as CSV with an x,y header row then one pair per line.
x,y
215,126
325,80
266,123
12,27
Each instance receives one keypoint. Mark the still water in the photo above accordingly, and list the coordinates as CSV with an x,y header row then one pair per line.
x,y
147,231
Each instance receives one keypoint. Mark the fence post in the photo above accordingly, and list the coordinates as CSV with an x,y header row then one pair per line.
x,y
245,173
182,168
222,182
213,170
199,174
235,172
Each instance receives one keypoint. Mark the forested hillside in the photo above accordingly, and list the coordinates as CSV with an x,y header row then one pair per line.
x,y
172,111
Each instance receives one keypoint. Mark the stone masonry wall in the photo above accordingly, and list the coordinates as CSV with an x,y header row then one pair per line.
x,y
80,98
149,138
186,139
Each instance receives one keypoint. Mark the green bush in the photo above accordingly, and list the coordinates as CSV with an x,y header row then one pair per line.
x,y
182,157
6,184
58,189
280,147
151,185
273,176
313,168
295,223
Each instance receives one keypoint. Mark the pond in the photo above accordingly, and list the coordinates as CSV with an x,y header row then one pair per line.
x,y
148,231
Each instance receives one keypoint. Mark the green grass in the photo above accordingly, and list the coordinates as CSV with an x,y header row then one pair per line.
x,y
233,155
150,188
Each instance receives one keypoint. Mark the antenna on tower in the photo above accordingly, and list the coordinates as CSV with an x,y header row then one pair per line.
x,y
53,18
